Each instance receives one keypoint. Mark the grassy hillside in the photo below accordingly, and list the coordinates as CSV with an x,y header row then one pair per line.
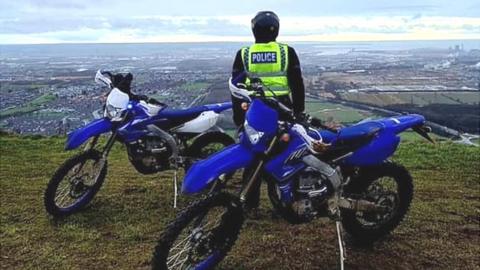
x,y
120,227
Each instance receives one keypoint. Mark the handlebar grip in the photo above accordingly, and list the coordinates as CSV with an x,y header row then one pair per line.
x,y
316,122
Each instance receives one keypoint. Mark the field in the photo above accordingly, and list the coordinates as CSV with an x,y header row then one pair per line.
x,y
120,227
29,107
456,110
335,112
465,118
421,99
29,86
194,86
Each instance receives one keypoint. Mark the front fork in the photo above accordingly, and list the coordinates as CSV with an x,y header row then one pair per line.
x,y
103,158
108,146
254,178
105,151
91,144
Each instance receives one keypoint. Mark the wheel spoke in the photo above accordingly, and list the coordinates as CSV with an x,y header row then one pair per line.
x,y
188,237
64,199
191,239
76,182
182,262
383,191
202,234
177,255
183,241
61,192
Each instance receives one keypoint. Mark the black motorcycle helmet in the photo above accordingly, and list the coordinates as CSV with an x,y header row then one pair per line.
x,y
265,26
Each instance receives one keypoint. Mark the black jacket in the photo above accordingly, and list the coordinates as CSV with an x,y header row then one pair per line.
x,y
295,81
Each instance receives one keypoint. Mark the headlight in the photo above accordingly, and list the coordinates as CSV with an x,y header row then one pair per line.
x,y
253,135
115,114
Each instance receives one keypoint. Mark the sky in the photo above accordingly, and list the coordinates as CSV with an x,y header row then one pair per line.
x,y
114,21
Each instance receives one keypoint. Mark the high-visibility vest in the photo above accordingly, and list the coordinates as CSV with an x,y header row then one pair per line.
x,y
269,62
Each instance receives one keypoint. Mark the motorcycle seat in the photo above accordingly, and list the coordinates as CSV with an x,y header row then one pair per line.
x,y
219,107
178,117
358,133
193,112
183,113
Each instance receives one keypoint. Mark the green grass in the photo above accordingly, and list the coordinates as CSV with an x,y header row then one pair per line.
x,y
119,229
195,86
335,112
31,106
44,113
383,99
8,86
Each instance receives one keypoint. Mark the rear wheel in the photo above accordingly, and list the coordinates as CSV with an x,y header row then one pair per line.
x,y
388,185
201,236
75,183
209,143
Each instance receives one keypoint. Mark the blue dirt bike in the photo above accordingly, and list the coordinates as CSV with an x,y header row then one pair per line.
x,y
344,175
156,139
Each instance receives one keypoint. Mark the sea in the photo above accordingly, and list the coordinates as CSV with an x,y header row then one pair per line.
x,y
149,49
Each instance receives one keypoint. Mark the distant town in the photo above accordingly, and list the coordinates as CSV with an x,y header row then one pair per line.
x,y
49,89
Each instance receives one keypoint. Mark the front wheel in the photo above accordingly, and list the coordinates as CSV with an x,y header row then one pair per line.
x,y
388,185
75,183
201,236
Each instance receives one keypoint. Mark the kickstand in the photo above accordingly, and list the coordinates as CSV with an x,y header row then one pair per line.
x,y
341,245
175,189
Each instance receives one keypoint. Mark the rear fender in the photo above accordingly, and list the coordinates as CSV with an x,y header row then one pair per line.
x,y
403,122
204,172
81,135
377,151
201,123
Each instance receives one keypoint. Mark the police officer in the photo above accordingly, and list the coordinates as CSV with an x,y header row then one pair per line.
x,y
278,67
276,64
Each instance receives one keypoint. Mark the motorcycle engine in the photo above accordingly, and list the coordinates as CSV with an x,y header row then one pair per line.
x,y
311,194
149,155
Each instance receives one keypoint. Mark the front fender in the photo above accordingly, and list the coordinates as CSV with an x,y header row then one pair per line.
x,y
204,172
81,135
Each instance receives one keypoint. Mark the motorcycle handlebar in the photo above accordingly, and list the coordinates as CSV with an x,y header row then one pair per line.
x,y
304,119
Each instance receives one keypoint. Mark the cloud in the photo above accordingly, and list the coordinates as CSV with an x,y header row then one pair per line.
x,y
46,21
236,28
56,4
240,25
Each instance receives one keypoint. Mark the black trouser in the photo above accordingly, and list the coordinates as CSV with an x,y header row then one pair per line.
x,y
253,198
